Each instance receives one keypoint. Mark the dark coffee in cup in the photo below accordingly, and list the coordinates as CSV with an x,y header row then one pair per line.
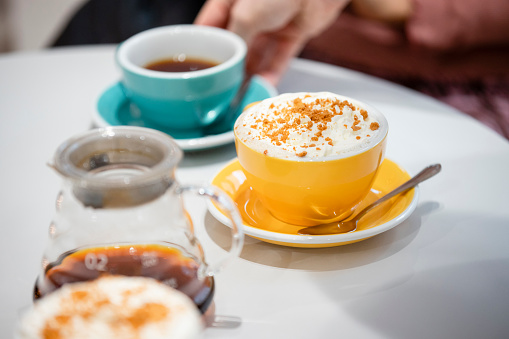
x,y
171,99
180,64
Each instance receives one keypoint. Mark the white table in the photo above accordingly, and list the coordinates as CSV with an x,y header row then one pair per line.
x,y
443,273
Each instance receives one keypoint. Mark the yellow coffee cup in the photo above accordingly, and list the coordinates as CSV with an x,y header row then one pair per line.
x,y
310,190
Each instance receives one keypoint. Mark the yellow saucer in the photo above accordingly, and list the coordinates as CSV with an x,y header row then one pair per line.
x,y
260,224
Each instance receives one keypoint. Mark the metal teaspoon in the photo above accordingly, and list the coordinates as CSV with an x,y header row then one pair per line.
x,y
351,225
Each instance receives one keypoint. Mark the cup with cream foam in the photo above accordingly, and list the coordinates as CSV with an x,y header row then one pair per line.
x,y
113,307
310,158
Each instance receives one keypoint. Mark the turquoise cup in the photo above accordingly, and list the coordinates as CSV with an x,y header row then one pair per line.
x,y
182,101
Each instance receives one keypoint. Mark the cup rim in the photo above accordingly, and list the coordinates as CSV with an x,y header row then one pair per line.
x,y
378,140
237,41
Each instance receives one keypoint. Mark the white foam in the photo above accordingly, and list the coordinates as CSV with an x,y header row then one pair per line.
x,y
113,307
263,126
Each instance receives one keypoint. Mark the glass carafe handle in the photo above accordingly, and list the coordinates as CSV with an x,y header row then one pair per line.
x,y
228,206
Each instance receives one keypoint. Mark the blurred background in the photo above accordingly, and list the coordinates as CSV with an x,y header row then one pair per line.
x,y
33,24
460,55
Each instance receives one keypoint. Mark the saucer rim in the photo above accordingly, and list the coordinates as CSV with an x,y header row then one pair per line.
x,y
327,240
190,144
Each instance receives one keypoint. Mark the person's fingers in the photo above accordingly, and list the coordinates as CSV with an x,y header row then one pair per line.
x,y
270,54
250,18
215,13
275,31
276,68
315,16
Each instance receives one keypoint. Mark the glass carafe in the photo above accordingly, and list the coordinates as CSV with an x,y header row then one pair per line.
x,y
120,211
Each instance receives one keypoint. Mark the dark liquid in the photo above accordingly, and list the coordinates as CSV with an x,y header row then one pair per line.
x,y
186,65
163,263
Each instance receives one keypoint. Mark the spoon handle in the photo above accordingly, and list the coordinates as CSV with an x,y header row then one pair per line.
x,y
423,175
239,96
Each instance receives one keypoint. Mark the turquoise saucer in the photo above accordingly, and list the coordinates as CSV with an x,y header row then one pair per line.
x,y
115,109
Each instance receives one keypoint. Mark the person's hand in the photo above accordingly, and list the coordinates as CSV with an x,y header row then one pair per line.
x,y
387,11
274,30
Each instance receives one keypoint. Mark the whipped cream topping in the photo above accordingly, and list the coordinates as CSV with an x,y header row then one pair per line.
x,y
308,125
113,307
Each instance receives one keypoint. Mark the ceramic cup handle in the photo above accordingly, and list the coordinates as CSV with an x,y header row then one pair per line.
x,y
228,206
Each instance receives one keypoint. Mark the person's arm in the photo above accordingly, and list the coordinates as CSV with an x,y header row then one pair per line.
x,y
458,23
442,24
275,31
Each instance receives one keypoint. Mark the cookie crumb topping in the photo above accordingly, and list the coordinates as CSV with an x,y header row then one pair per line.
x,y
308,125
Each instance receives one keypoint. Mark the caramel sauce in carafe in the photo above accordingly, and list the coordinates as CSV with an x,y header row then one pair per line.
x,y
161,262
